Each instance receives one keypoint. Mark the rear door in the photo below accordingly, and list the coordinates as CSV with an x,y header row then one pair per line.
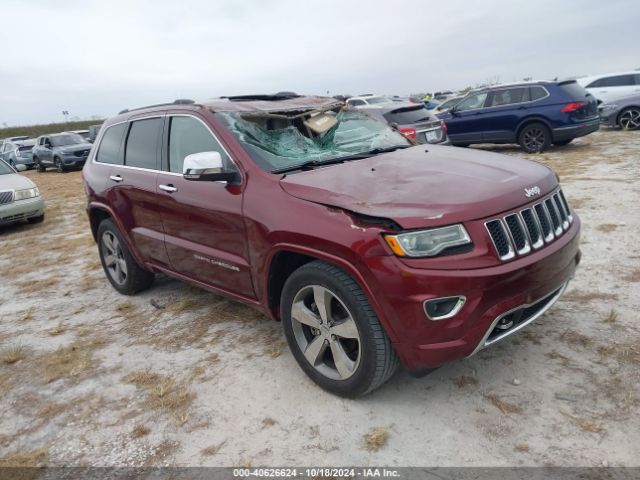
x,y
502,113
45,151
610,88
133,189
204,229
464,124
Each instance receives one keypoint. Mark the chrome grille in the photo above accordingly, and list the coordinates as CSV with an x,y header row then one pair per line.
x,y
6,197
529,229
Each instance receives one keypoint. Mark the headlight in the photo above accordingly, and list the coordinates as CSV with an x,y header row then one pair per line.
x,y
427,243
26,193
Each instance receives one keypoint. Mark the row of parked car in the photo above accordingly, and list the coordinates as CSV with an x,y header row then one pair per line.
x,y
62,151
533,114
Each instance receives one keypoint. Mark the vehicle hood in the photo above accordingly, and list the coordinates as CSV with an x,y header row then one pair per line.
x,y
419,188
73,148
14,181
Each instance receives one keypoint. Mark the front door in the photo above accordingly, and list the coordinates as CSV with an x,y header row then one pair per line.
x,y
204,229
464,123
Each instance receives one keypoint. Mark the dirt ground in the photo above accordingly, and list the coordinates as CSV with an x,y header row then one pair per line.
x,y
180,376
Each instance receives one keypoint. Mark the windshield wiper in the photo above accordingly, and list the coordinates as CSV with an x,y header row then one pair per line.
x,y
357,156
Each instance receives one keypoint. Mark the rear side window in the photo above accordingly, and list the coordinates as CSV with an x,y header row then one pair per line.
x,y
509,96
355,103
109,149
142,143
536,93
410,115
188,135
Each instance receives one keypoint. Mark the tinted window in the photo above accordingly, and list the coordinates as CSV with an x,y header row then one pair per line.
x,y
573,90
509,96
472,102
188,135
409,115
142,143
67,139
616,81
355,102
536,93
109,150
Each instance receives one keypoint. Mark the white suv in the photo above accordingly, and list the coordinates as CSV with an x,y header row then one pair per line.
x,y
368,101
611,86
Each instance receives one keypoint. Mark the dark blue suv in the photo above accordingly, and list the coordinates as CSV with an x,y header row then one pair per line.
x,y
533,115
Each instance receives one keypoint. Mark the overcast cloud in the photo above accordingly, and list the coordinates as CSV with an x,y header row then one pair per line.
x,y
95,58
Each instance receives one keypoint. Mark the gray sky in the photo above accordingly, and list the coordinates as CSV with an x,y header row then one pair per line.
x,y
98,57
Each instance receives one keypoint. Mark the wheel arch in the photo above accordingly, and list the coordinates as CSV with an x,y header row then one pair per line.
x,y
285,259
624,109
532,119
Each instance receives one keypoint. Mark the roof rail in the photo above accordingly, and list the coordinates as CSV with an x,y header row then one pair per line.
x,y
264,97
179,101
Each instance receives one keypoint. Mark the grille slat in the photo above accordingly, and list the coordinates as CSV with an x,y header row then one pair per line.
x,y
531,227
6,197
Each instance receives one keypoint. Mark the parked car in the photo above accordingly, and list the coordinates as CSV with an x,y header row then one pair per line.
x,y
19,197
368,101
447,104
609,87
64,151
624,113
370,250
413,121
12,139
533,115
83,133
18,152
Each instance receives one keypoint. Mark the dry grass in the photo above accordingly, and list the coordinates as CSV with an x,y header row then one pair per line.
x,y
268,422
37,286
12,355
505,408
607,227
139,431
585,297
125,309
33,458
161,452
587,425
274,351
27,315
521,447
466,381
376,439
633,276
58,329
212,449
163,393
612,317
73,361
576,339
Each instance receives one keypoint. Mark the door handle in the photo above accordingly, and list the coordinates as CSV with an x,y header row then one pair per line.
x,y
168,188
115,178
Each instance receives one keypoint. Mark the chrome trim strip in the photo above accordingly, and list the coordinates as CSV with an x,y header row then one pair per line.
x,y
484,343
549,238
558,231
560,206
454,311
540,241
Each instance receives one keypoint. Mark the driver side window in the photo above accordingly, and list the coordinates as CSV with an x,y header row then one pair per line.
x,y
188,135
473,102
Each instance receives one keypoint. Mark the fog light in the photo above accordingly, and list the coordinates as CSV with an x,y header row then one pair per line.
x,y
444,307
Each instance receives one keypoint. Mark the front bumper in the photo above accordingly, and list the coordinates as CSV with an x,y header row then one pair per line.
x,y
575,131
491,293
21,210
71,161
609,119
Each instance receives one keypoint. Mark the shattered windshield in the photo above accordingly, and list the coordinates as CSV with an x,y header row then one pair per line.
x,y
276,142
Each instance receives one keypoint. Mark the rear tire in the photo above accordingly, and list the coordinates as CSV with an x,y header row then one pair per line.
x,y
337,322
534,138
562,143
121,269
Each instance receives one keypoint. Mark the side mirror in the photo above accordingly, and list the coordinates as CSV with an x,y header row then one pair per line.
x,y
206,166
20,167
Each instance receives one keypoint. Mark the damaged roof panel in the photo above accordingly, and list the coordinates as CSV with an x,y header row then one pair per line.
x,y
285,104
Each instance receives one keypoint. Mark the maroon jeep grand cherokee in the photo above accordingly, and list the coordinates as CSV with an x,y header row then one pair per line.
x,y
370,250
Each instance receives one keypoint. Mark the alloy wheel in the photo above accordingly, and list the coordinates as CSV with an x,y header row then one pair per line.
x,y
326,332
534,139
630,119
113,257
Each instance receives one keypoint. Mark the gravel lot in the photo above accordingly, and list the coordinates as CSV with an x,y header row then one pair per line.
x,y
180,376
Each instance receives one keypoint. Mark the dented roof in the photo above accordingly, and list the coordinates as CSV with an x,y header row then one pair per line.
x,y
279,105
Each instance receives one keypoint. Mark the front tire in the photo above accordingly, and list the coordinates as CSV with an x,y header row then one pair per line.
x,y
629,118
121,269
59,165
37,165
334,334
534,138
